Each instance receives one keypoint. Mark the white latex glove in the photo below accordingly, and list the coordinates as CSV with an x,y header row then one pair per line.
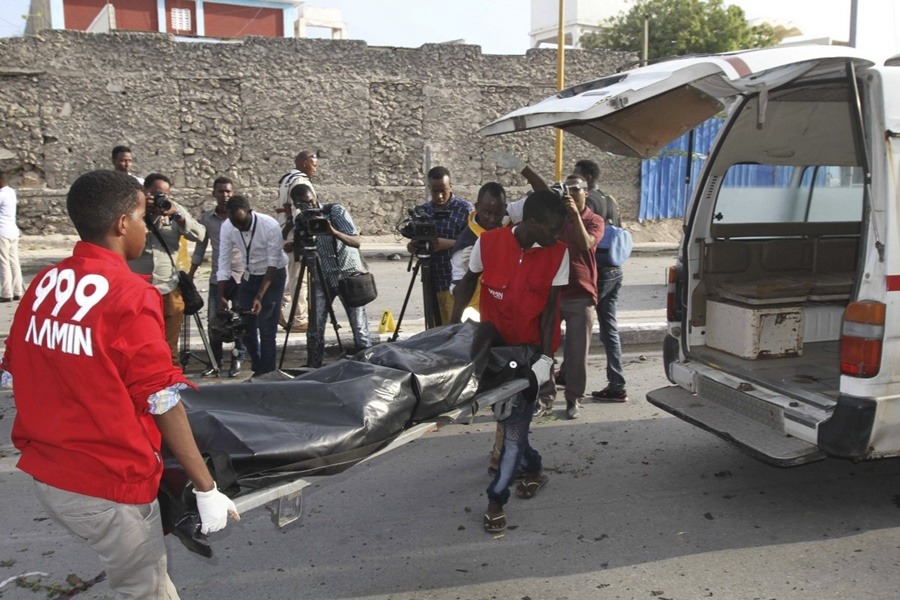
x,y
505,160
214,508
542,369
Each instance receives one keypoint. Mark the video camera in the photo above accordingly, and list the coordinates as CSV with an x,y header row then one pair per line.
x,y
229,326
420,226
309,221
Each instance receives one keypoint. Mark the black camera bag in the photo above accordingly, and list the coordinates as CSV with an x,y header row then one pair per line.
x,y
193,301
357,289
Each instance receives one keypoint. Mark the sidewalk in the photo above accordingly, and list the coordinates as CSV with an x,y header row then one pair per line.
x,y
641,309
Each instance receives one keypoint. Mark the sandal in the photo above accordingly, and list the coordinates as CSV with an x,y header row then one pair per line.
x,y
528,488
494,522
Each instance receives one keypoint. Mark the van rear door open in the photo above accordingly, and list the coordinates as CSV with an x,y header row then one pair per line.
x,y
783,331
637,112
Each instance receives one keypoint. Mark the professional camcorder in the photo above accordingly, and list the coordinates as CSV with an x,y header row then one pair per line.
x,y
420,226
229,326
311,221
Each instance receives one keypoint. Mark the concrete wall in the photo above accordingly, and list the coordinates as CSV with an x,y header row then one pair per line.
x,y
198,110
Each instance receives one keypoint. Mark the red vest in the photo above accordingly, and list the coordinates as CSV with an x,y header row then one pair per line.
x,y
515,286
86,349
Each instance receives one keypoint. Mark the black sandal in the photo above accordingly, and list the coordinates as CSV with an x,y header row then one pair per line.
x,y
528,488
494,522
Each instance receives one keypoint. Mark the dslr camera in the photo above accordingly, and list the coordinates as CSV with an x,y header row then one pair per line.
x,y
420,226
161,203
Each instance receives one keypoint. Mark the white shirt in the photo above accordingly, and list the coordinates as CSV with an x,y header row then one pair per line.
x,y
262,242
562,273
8,227
516,210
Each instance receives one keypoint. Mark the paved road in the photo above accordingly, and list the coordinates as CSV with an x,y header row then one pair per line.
x,y
640,505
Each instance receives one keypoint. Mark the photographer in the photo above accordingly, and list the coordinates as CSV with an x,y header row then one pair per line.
x,y
450,214
258,238
338,249
166,222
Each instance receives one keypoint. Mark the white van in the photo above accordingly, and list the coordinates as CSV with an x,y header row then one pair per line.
x,y
784,304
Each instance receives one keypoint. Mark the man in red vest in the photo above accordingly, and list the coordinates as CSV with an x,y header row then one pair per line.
x,y
522,270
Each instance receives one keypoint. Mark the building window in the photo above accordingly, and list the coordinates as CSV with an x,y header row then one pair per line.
x,y
181,19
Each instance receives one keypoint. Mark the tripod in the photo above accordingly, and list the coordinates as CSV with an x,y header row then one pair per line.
x,y
423,262
309,261
186,355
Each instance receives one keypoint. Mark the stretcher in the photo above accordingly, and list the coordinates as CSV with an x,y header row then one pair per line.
x,y
284,501
267,442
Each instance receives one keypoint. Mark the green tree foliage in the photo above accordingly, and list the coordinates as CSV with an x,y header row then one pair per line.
x,y
679,27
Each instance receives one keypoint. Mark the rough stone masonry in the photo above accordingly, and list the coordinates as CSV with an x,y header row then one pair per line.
x,y
194,111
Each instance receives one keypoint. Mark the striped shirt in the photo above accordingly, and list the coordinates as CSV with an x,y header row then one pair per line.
x,y
337,257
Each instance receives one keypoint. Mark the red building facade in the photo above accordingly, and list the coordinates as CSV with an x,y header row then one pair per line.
x,y
222,19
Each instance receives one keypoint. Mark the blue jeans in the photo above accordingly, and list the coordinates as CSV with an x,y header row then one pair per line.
x,y
517,452
262,328
609,282
215,342
315,336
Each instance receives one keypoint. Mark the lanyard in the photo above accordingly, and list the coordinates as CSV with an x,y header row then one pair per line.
x,y
250,241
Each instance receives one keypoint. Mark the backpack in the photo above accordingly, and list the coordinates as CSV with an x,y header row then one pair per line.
x,y
615,246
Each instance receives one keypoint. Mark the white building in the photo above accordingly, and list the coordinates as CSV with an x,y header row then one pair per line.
x,y
580,17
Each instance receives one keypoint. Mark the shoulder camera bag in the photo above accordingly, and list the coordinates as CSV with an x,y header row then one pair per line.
x,y
193,301
356,288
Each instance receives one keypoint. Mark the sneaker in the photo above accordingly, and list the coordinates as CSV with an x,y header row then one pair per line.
x,y
573,409
235,369
209,372
610,394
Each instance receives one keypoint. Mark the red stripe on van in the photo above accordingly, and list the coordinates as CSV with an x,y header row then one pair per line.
x,y
893,283
739,65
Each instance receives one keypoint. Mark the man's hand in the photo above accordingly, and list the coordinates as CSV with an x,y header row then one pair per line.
x,y
289,247
505,160
542,369
257,305
223,303
214,508
571,206
412,247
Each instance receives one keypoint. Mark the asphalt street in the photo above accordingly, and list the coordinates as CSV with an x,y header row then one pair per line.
x,y
639,505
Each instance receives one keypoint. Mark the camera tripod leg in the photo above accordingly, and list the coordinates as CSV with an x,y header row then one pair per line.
x,y
429,297
186,353
293,311
412,282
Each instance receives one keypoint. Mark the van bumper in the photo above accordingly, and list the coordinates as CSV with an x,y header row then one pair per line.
x,y
847,433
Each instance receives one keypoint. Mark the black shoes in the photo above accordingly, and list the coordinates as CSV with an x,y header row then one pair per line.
x,y
609,394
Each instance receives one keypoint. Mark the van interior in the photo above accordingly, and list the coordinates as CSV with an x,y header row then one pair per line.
x,y
775,258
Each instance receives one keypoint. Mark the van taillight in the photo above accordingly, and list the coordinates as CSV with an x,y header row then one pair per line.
x,y
861,338
672,313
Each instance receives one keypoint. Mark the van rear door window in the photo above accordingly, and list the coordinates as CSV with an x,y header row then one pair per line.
x,y
759,193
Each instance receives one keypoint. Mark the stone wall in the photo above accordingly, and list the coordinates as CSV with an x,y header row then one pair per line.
x,y
198,110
